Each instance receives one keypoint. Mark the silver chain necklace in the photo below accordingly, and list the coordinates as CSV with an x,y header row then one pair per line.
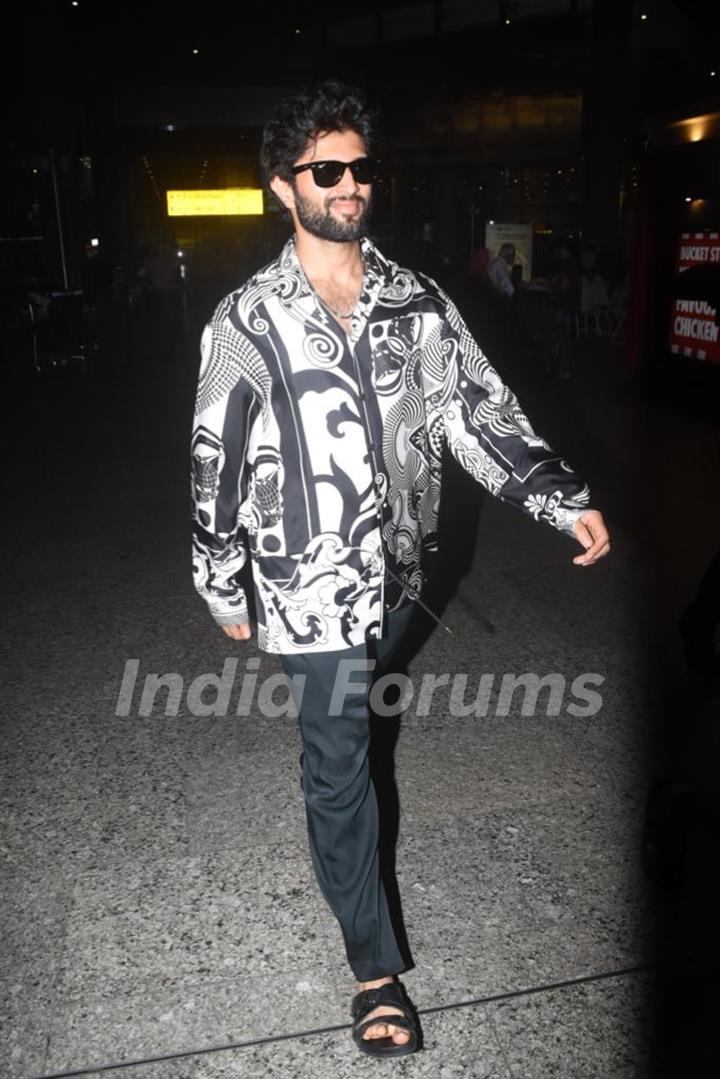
x,y
332,310
337,314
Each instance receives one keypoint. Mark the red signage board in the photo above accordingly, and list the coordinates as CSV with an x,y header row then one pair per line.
x,y
694,326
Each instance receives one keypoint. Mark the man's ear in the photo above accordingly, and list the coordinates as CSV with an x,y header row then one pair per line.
x,y
283,191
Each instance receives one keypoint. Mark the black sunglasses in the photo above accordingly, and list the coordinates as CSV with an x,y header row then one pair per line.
x,y
329,173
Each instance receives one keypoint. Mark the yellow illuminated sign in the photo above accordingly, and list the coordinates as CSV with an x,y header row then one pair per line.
x,y
227,202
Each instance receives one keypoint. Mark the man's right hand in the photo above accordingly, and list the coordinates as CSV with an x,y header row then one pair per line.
x,y
238,633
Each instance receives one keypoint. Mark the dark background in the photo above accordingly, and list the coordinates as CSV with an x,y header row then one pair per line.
x,y
556,112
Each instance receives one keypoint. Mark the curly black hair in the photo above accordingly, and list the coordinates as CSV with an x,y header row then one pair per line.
x,y
329,106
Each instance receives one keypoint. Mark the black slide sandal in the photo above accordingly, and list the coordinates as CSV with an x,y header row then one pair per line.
x,y
391,995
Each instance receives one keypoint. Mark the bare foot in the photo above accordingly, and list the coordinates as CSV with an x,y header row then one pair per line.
x,y
384,1030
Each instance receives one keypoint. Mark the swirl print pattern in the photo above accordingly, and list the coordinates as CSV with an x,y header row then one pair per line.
x,y
316,453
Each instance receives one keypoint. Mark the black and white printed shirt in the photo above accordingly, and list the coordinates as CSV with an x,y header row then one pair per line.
x,y
319,451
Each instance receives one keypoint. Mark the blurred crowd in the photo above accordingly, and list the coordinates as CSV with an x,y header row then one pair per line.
x,y
581,292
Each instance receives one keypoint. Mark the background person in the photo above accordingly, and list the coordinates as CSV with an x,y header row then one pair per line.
x,y
500,272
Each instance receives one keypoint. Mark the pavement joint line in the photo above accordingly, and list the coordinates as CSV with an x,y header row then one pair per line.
x,y
271,1038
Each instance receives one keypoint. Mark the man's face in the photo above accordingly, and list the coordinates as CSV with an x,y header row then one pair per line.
x,y
338,213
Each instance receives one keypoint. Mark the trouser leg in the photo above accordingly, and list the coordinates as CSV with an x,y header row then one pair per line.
x,y
398,622
341,805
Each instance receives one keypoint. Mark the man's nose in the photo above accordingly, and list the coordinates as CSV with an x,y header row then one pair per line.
x,y
347,184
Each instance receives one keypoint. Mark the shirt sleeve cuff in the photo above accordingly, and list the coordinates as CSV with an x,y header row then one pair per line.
x,y
236,616
564,519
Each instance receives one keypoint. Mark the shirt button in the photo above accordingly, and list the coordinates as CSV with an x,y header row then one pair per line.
x,y
371,447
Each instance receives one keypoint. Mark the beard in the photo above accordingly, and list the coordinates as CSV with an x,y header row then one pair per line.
x,y
321,222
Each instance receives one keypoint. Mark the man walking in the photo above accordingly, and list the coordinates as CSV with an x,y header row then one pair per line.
x,y
328,385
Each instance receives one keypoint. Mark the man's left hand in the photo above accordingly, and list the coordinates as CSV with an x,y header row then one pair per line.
x,y
591,532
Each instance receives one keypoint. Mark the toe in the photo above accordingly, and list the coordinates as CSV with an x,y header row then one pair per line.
x,y
386,1030
383,1027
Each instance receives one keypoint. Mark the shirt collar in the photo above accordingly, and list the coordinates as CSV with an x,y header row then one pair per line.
x,y
378,274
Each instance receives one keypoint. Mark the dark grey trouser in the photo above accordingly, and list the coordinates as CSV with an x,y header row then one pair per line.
x,y
340,798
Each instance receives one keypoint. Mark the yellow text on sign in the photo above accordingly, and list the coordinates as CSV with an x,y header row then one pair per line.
x,y
227,202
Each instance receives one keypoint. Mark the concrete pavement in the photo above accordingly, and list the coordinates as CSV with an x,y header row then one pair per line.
x,y
159,903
